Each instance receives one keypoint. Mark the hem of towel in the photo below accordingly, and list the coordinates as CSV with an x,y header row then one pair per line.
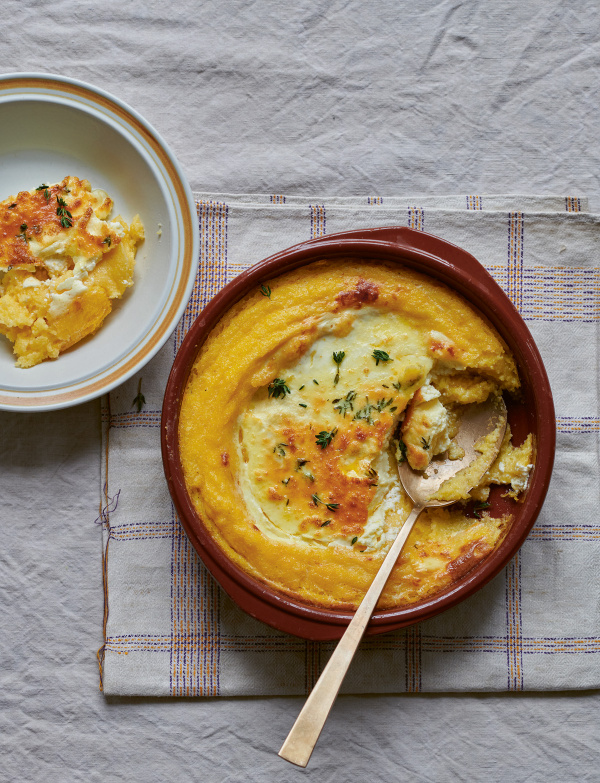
x,y
460,203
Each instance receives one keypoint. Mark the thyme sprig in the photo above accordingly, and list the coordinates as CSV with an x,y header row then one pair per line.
x,y
265,290
278,388
324,438
46,191
383,403
366,412
380,356
344,404
66,218
425,443
300,463
338,358
328,506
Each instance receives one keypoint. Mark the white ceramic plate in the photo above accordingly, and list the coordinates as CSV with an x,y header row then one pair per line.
x,y
51,127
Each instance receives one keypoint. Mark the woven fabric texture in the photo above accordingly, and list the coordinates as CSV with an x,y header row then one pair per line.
x,y
171,630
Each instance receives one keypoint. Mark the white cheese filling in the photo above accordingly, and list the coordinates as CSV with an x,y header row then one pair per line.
x,y
382,362
311,405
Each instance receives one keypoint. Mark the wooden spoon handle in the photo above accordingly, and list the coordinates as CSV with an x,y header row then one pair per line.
x,y
305,732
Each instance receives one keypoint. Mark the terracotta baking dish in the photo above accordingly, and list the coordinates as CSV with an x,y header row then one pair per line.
x,y
533,413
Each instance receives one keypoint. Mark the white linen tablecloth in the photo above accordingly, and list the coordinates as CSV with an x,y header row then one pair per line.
x,y
309,97
171,630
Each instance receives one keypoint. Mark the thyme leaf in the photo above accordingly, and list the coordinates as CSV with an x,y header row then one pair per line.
x,y
425,443
280,449
265,290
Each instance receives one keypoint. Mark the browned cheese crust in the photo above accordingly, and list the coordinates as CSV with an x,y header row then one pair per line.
x,y
62,263
288,421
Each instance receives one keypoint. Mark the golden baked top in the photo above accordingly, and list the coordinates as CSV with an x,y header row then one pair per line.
x,y
42,223
299,405
61,262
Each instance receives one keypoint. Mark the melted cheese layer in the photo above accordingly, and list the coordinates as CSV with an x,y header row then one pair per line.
x,y
327,494
288,452
61,263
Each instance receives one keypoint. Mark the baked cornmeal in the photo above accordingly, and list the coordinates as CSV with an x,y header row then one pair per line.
x,y
62,262
300,403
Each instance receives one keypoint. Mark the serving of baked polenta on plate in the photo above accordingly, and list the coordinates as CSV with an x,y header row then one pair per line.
x,y
63,260
98,242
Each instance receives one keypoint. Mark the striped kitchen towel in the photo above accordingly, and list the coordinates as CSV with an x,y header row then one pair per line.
x,y
170,630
